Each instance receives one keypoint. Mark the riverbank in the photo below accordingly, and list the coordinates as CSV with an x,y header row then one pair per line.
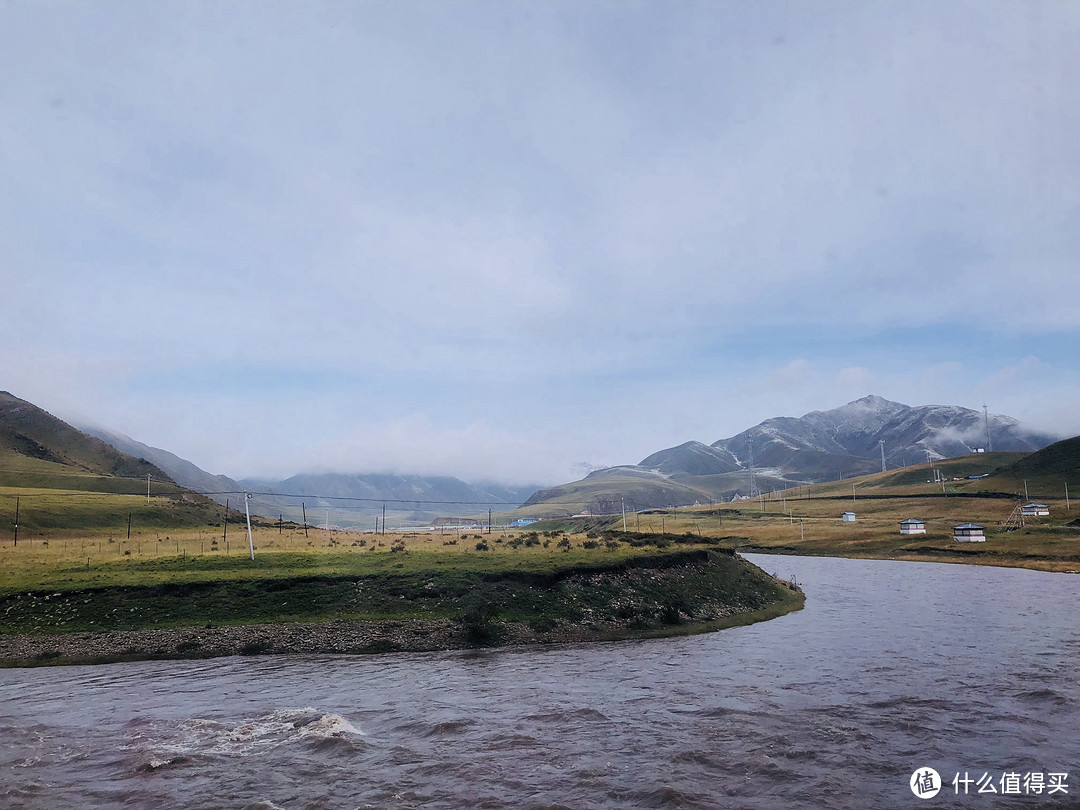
x,y
337,637
428,608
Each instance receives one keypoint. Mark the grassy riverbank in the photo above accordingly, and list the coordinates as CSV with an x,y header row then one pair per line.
x,y
414,598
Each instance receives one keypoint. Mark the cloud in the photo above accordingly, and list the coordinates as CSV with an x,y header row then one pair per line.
x,y
583,231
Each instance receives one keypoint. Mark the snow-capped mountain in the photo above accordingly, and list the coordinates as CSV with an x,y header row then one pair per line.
x,y
852,435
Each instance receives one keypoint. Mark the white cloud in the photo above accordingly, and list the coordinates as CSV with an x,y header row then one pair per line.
x,y
578,231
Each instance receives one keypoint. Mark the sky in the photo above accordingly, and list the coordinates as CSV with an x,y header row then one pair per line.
x,y
511,240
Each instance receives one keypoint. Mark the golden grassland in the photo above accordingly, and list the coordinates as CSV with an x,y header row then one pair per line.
x,y
801,525
814,527
69,559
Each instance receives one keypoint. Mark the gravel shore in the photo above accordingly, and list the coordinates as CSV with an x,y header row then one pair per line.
x,y
414,635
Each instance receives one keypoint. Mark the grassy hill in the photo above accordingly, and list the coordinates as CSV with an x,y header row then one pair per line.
x,y
59,479
39,443
1043,474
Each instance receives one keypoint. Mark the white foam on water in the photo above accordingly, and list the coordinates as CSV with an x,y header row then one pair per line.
x,y
281,727
329,725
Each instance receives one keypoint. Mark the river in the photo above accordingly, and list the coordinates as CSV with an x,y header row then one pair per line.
x,y
891,668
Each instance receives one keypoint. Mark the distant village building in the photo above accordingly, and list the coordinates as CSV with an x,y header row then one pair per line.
x,y
912,526
848,517
523,522
969,533
456,523
1034,510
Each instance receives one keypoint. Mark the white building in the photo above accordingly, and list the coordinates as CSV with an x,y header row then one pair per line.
x,y
969,533
1034,510
848,517
912,526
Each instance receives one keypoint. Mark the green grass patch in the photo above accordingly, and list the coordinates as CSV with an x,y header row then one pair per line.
x,y
635,588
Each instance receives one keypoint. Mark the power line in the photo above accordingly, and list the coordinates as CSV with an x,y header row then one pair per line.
x,y
364,500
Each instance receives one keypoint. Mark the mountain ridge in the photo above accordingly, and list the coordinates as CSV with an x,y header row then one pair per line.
x,y
785,451
55,447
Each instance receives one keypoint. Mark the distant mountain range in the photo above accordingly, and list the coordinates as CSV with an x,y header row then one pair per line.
x,y
778,453
784,451
353,499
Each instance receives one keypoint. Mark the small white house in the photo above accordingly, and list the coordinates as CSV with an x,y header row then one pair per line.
x,y
848,517
1034,510
912,526
969,533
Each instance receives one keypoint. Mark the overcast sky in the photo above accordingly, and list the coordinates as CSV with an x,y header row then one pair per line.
x,y
498,239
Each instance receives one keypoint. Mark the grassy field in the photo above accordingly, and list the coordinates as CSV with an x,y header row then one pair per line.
x,y
814,527
645,585
186,555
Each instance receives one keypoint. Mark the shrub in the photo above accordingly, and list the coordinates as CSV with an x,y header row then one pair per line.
x,y
542,624
483,546
477,620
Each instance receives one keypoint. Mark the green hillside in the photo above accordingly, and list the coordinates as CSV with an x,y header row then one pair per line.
x,y
55,477
1045,472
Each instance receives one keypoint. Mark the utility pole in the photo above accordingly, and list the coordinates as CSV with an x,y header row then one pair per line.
x,y
225,523
882,443
148,487
129,526
384,518
752,469
489,522
1067,507
303,506
17,515
986,418
247,511
623,514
